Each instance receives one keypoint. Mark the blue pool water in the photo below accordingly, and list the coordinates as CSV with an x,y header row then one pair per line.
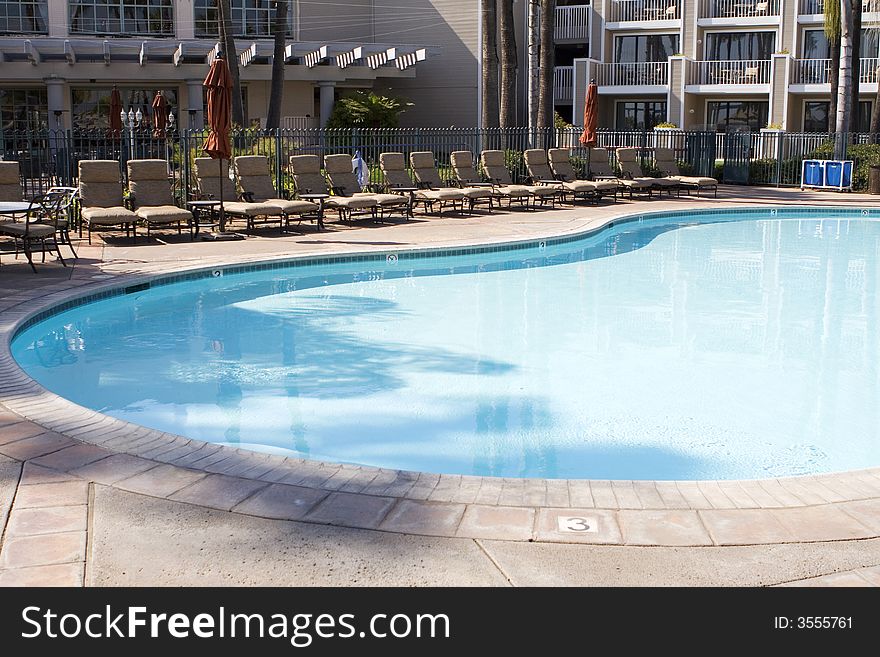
x,y
670,348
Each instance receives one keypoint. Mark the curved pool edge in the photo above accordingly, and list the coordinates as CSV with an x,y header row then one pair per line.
x,y
88,444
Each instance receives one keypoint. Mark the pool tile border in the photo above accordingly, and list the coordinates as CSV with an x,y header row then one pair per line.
x,y
62,437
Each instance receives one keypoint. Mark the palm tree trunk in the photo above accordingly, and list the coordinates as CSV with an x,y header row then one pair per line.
x,y
279,32
856,62
844,94
231,54
547,58
834,80
507,30
489,117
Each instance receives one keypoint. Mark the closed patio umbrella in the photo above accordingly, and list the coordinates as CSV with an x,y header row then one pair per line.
x,y
218,84
160,115
591,116
115,113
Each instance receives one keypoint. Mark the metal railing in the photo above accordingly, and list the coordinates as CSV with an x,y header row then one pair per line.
x,y
644,10
572,23
738,8
818,71
563,79
755,71
632,74
818,6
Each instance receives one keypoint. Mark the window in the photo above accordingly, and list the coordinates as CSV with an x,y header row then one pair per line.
x,y
23,110
91,107
816,116
139,17
23,16
645,47
815,44
252,18
739,46
640,115
729,114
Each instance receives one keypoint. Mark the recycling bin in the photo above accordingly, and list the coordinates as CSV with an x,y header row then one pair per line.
x,y
813,173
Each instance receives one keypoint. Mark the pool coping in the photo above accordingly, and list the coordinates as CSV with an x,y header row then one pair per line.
x,y
64,436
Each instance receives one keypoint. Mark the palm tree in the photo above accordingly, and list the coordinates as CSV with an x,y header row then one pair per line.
x,y
489,117
844,93
228,44
856,61
279,31
545,75
507,31
832,33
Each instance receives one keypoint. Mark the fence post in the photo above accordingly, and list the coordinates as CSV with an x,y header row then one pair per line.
x,y
279,183
780,136
184,156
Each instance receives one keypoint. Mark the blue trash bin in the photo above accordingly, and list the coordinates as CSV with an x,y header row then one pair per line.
x,y
846,178
813,173
833,173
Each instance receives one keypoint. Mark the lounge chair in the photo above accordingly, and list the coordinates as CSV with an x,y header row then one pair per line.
x,y
308,179
425,171
257,187
466,174
664,160
100,193
629,166
496,170
343,182
150,195
69,197
38,226
393,167
600,169
540,173
10,181
208,174
560,163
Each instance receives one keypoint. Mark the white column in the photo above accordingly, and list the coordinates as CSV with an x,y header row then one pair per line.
x,y
196,120
55,88
328,90
184,20
57,17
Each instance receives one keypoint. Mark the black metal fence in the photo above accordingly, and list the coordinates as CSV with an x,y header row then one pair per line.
x,y
763,158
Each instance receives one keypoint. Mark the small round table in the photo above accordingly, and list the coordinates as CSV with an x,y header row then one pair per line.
x,y
200,209
12,208
320,199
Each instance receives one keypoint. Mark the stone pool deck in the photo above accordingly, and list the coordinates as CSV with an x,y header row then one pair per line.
x,y
89,500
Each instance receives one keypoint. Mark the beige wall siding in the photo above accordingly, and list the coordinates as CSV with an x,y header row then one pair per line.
x,y
331,21
298,99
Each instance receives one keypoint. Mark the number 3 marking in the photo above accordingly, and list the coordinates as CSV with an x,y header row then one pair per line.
x,y
576,524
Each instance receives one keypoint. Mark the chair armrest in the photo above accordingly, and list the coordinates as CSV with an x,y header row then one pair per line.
x,y
338,190
247,197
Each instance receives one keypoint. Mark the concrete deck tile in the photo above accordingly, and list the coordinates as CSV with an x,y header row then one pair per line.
x,y
535,492
849,578
671,496
830,496
114,468
603,494
648,495
250,463
821,523
22,429
865,511
692,494
779,493
512,492
580,494
738,496
380,483
281,501
348,510
35,474
424,518
8,417
871,575
714,495
47,520
423,486
43,550
339,479
29,448
662,527
72,457
803,491
557,493
65,574
202,452
759,494
626,495
218,491
161,481
446,488
490,491
468,490
361,479
744,527
65,493
867,484
602,524
273,475
497,522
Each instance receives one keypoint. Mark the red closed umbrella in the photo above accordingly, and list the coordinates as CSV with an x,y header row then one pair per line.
x,y
591,116
160,115
115,113
218,84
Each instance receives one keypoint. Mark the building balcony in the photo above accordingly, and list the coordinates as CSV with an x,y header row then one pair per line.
x,y
563,84
813,75
747,76
817,7
640,11
572,23
640,77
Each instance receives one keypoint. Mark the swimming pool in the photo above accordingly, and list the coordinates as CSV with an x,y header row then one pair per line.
x,y
677,346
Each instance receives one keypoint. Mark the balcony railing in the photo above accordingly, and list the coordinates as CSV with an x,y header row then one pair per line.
x,y
818,71
739,8
635,74
644,10
572,23
755,71
818,6
563,81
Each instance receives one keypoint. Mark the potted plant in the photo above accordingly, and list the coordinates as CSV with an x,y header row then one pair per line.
x,y
666,125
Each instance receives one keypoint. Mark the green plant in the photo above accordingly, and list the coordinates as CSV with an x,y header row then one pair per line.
x,y
774,126
560,123
365,109
666,124
784,51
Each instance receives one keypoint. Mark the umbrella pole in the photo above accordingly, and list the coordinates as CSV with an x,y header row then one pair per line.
x,y
222,211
